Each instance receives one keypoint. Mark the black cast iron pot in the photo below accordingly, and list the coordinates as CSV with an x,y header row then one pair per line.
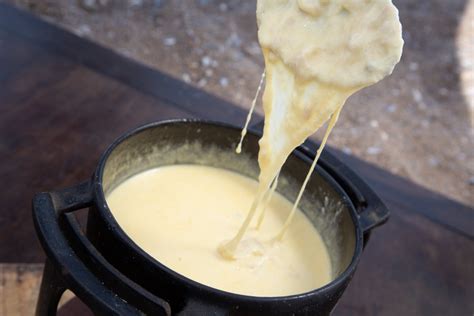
x,y
114,276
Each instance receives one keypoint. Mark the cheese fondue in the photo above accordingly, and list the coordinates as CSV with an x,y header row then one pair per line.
x,y
317,53
179,214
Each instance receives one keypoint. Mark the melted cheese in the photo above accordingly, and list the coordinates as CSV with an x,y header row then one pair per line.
x,y
317,53
178,214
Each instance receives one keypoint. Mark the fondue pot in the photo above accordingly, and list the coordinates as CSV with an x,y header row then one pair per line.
x,y
114,276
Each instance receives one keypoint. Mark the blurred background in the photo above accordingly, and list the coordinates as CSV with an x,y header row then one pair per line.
x,y
417,123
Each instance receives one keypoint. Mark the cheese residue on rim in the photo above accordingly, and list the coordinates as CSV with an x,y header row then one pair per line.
x,y
317,53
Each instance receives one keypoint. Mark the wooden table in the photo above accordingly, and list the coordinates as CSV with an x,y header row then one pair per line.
x,y
63,99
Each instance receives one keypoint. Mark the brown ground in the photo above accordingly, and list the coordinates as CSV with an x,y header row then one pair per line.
x,y
416,123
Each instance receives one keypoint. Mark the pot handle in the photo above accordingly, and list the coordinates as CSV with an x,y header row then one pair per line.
x,y
49,210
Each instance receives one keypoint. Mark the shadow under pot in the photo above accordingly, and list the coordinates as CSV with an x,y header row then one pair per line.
x,y
112,275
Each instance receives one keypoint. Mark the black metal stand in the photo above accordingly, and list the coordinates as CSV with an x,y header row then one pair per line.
x,y
51,290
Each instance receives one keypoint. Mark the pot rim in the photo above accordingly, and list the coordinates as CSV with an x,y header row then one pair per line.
x,y
106,214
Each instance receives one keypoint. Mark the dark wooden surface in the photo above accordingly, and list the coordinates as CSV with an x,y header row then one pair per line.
x,y
63,99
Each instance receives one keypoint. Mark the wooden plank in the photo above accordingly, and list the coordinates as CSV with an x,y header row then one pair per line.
x,y
19,288
412,266
13,56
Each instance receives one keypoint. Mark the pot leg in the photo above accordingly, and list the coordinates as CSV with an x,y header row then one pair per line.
x,y
51,290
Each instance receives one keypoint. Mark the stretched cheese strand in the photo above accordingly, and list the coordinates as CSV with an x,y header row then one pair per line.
x,y
331,125
249,115
266,200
